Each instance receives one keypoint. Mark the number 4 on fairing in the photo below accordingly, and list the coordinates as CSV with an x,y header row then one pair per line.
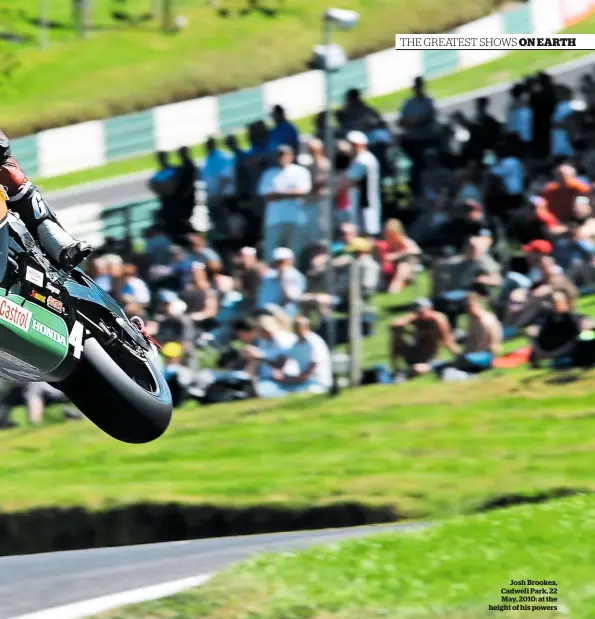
x,y
76,339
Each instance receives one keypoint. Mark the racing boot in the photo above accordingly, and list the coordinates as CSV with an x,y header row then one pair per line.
x,y
67,252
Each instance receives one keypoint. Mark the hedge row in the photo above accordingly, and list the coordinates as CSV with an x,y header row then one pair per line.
x,y
54,529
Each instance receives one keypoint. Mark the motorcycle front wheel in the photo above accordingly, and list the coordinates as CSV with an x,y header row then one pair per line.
x,y
125,397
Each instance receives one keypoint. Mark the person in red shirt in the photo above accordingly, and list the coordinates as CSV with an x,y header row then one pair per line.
x,y
25,199
561,193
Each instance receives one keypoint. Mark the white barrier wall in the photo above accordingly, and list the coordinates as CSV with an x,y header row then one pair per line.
x,y
389,70
300,95
490,26
185,123
72,148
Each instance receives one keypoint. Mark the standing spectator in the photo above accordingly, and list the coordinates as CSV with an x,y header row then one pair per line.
x,y
356,114
215,174
417,338
283,133
185,190
509,170
363,179
163,185
238,172
316,226
398,255
543,102
284,188
562,193
560,135
311,361
418,121
520,118
282,285
484,131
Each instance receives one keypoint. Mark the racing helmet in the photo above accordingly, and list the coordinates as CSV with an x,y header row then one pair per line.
x,y
4,147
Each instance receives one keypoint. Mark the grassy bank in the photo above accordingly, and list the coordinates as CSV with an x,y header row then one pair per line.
x,y
122,68
512,66
454,570
427,449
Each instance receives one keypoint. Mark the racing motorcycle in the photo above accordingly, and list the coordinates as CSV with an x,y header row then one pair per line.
x,y
59,327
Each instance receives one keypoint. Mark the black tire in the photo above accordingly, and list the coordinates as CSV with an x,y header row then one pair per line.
x,y
105,394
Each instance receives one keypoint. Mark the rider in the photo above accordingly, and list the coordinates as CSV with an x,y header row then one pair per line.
x,y
25,199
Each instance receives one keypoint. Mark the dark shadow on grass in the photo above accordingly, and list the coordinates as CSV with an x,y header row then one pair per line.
x,y
53,529
508,500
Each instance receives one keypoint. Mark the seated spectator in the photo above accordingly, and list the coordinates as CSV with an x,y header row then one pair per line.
x,y
529,305
283,133
307,369
453,278
157,245
282,285
435,177
180,268
265,351
536,221
582,214
318,296
483,338
574,254
468,184
468,221
247,276
430,228
200,298
131,289
98,271
556,334
418,337
398,255
170,323
200,251
562,193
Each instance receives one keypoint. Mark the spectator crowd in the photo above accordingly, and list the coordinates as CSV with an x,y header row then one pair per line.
x,y
493,208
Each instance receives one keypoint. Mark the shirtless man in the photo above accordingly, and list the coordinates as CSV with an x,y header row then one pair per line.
x,y
429,331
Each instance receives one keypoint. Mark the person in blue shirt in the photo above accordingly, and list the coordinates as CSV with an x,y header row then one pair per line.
x,y
283,133
214,169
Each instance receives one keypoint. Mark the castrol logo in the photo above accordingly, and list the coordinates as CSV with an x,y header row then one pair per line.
x,y
15,315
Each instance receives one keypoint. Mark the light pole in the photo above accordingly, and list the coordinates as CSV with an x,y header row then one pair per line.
x,y
344,20
43,23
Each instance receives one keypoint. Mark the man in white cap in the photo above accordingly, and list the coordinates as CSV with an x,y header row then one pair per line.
x,y
282,285
284,187
362,178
